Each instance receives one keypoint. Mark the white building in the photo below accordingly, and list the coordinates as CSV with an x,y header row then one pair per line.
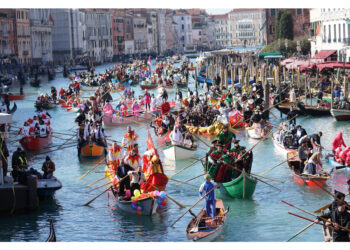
x,y
183,28
248,27
99,36
211,33
330,32
161,28
41,23
222,31
68,34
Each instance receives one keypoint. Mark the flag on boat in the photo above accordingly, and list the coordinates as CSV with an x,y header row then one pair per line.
x,y
149,64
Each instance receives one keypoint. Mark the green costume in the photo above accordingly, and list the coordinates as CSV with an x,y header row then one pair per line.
x,y
226,138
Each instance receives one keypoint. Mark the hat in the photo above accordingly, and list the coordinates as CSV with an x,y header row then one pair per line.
x,y
207,176
216,142
340,203
236,141
338,194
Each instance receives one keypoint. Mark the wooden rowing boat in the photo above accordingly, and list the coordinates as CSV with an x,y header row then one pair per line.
x,y
92,150
45,105
13,97
258,134
148,204
242,187
304,179
177,152
280,146
35,143
149,86
117,90
341,114
203,228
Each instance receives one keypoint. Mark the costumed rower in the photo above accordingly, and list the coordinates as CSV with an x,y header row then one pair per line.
x,y
129,139
210,200
225,137
133,159
114,155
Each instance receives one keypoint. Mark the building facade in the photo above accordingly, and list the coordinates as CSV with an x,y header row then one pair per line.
x,y
301,22
22,33
183,29
330,29
140,34
118,32
7,31
222,31
99,35
248,27
41,23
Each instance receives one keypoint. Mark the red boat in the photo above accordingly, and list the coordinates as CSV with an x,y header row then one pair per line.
x,y
304,179
35,143
13,97
149,86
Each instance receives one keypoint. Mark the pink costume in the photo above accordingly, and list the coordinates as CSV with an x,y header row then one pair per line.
x,y
343,154
108,109
337,152
123,108
136,109
147,99
338,141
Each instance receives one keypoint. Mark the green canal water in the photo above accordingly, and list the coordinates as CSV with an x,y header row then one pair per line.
x,y
264,218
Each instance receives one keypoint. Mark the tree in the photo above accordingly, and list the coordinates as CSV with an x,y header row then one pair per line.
x,y
284,25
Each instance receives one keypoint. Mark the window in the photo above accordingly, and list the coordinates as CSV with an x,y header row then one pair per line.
x,y
329,33
339,31
344,31
335,33
182,26
299,11
273,12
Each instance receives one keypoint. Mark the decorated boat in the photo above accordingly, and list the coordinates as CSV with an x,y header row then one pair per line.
x,y
204,228
35,143
13,97
213,130
148,86
236,120
257,132
92,150
177,152
117,90
301,178
341,114
114,120
287,141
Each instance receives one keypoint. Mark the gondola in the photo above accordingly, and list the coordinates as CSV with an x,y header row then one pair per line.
x,y
340,114
148,86
204,228
313,110
45,105
114,120
282,146
13,110
304,179
52,235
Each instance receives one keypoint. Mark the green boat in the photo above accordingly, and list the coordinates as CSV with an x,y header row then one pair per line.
x,y
242,187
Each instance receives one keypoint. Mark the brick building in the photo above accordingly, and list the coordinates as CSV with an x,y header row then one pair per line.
x,y
301,22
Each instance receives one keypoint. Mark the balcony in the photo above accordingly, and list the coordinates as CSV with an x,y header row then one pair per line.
x,y
25,52
329,40
346,41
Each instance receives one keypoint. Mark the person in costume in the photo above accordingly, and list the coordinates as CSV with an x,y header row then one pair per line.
x,y
114,155
225,137
133,159
129,139
208,189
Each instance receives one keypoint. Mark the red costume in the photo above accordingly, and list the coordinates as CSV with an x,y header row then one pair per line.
x,y
338,141
165,108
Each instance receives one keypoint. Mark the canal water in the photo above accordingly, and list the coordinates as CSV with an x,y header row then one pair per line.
x,y
264,218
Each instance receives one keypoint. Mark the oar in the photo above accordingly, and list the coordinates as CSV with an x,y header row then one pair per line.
x,y
54,150
325,207
193,205
300,231
305,211
98,164
185,181
335,197
89,202
108,183
182,182
279,164
104,177
187,167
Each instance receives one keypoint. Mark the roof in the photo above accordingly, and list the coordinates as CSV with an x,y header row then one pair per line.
x,y
223,16
244,10
271,55
323,54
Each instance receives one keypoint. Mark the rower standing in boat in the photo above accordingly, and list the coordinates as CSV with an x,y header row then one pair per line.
x,y
338,217
210,200
340,197
130,138
303,152
225,137
48,168
316,142
292,116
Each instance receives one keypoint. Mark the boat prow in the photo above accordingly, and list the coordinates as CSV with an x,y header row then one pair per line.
x,y
47,187
177,152
242,187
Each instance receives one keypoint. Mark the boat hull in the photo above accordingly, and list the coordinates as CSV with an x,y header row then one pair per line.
x,y
48,187
14,97
92,151
341,115
109,120
35,143
284,149
242,187
149,206
174,152
154,86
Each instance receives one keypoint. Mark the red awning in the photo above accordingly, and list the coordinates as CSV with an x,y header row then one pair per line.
x,y
332,65
323,54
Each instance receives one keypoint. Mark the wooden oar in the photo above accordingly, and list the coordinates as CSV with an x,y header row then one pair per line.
x,y
93,183
89,202
279,164
300,231
187,167
335,197
41,153
185,181
98,164
325,207
182,182
305,211
193,205
108,183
